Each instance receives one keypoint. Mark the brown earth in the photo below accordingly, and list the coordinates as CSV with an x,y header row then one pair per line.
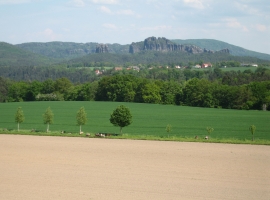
x,y
33,167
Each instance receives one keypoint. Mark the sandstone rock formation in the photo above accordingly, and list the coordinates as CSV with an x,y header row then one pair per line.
x,y
102,48
165,45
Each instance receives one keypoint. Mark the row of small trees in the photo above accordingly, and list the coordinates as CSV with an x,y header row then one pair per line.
x,y
47,117
120,117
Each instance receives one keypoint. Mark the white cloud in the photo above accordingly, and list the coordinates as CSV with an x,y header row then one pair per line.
x,y
126,12
261,27
156,28
49,34
233,23
105,10
14,1
198,4
109,26
78,3
214,24
245,8
105,1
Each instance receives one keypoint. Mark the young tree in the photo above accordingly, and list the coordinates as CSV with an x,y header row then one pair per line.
x,y
252,129
209,130
81,118
168,129
121,117
48,117
19,117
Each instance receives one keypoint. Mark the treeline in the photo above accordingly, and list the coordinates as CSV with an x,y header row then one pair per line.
x,y
232,77
161,58
32,73
149,71
129,88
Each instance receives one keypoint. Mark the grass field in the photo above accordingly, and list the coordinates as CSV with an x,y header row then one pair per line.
x,y
148,119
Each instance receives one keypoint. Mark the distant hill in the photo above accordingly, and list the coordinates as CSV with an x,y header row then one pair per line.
x,y
11,55
69,50
217,45
151,50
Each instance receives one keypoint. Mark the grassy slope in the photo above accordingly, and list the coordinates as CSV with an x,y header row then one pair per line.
x,y
148,119
11,55
218,45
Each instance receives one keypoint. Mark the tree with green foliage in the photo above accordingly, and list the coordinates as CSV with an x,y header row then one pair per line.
x,y
121,117
48,118
47,86
19,117
168,129
151,93
252,129
209,130
17,91
62,85
81,118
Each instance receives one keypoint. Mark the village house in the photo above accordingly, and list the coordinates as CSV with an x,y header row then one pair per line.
x,y
205,65
197,66
248,64
98,72
118,68
135,68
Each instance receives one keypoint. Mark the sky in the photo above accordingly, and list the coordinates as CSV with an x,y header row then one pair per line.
x,y
244,23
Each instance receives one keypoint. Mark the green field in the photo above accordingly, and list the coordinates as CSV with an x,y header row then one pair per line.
x,y
148,119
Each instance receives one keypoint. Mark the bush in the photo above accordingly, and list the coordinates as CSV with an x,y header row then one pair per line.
x,y
50,97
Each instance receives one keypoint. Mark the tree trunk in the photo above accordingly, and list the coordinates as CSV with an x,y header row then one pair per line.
x,y
121,130
80,129
48,125
18,126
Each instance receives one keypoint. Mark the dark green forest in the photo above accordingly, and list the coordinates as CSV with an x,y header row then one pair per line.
x,y
212,88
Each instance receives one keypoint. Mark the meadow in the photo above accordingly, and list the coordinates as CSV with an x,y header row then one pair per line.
x,y
148,119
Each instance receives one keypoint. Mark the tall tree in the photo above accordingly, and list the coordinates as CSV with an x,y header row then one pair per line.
x,y
19,117
168,129
3,89
121,117
81,118
252,129
48,118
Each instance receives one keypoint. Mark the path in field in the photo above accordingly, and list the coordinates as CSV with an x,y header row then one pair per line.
x,y
34,167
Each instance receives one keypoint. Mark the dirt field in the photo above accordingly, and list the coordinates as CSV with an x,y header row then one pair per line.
x,y
33,167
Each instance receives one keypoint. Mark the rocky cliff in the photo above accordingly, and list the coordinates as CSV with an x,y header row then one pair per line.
x,y
165,45
102,48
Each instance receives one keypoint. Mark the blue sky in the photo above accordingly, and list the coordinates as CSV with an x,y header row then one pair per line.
x,y
245,23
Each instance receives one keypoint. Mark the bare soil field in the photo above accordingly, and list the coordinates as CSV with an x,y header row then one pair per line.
x,y
34,167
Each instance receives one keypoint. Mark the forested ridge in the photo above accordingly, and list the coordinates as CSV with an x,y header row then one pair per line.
x,y
152,50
